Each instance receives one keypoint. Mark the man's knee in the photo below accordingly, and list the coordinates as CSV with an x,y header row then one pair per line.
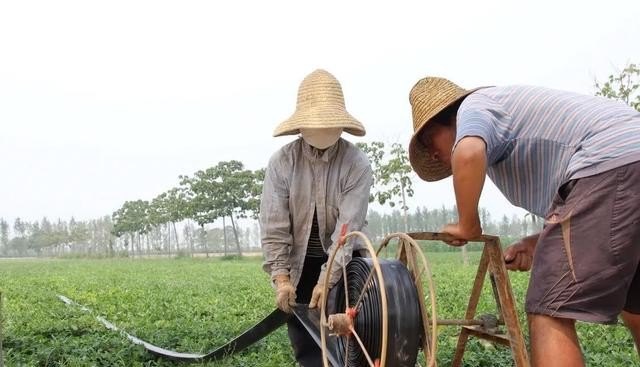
x,y
632,320
543,328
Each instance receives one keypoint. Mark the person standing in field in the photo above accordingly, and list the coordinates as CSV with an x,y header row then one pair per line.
x,y
312,187
572,159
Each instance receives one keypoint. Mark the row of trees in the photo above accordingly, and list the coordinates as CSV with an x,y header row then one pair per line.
x,y
432,220
96,237
225,191
229,192
45,237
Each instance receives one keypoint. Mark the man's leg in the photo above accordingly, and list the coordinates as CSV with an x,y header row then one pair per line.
x,y
554,342
631,312
633,323
584,263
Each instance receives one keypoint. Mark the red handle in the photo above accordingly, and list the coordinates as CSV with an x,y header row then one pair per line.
x,y
343,230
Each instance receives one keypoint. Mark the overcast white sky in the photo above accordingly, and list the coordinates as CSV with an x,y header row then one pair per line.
x,y
102,102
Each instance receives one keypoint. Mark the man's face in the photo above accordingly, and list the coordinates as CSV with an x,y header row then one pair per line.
x,y
321,138
439,140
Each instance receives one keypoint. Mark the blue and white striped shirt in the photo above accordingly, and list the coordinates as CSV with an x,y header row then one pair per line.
x,y
539,138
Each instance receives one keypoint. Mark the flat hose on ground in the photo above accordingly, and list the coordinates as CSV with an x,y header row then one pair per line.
x,y
404,332
394,306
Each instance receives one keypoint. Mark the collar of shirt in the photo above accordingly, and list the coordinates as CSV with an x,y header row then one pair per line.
x,y
315,154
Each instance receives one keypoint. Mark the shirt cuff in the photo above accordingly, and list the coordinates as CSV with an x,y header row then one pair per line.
x,y
276,272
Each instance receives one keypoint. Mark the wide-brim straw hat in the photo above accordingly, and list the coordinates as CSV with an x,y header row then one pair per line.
x,y
428,98
320,105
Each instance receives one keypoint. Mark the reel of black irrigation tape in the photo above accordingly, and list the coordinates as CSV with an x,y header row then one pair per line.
x,y
403,311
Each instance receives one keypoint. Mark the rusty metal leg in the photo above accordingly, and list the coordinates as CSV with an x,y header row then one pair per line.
x,y
491,260
471,309
506,303
494,289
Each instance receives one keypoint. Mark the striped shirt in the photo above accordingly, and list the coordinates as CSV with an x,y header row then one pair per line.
x,y
314,247
537,139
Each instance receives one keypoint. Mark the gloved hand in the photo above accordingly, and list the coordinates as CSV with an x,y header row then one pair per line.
x,y
317,295
285,293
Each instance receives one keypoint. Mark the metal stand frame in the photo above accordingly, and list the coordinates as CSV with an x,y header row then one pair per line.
x,y
491,262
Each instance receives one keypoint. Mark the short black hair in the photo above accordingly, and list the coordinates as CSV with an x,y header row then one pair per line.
x,y
446,118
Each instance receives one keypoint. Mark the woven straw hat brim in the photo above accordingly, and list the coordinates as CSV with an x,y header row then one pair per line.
x,y
320,105
425,167
318,118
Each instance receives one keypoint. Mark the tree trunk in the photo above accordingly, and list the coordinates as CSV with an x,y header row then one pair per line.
x,y
175,232
191,239
132,246
167,238
224,233
404,209
110,247
204,240
235,233
164,234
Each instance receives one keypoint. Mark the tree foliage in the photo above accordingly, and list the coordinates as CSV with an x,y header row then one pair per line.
x,y
49,238
625,86
391,174
132,217
226,190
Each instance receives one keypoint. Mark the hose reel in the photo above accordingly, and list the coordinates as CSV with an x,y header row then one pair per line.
x,y
377,316
403,315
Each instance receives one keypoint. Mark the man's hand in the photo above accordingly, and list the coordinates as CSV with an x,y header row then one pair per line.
x,y
519,256
317,295
461,234
285,293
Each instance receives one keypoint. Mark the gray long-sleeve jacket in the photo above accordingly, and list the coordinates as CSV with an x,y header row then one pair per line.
x,y
298,178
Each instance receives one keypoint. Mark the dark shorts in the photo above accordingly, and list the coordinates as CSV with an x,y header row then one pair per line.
x,y
586,262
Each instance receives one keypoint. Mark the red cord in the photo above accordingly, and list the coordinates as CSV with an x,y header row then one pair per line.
x,y
351,312
343,233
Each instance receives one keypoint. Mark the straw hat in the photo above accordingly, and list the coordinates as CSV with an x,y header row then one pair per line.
x,y
428,98
320,105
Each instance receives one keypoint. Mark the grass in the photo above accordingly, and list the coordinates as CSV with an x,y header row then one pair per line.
x,y
195,305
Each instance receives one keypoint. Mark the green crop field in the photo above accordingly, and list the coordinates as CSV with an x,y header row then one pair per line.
x,y
195,305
